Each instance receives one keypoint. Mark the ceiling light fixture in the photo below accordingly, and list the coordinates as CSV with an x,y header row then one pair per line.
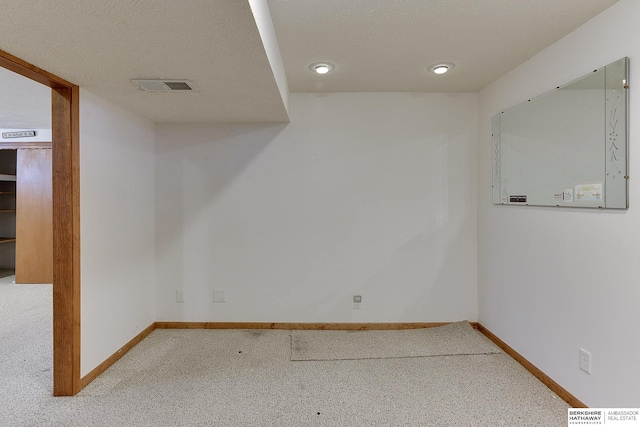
x,y
321,67
441,68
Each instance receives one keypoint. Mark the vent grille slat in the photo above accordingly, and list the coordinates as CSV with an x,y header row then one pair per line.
x,y
178,85
156,85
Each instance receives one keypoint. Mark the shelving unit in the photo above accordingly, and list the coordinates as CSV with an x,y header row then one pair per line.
x,y
7,208
26,218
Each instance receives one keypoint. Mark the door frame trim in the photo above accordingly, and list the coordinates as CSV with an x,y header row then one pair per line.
x,y
65,101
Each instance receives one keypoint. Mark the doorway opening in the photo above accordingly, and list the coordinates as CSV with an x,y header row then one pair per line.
x,y
66,222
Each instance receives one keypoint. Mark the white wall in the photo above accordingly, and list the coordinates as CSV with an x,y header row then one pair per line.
x,y
370,194
554,280
117,227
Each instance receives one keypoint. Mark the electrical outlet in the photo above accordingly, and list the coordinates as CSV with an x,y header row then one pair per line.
x,y
357,301
179,295
218,295
585,361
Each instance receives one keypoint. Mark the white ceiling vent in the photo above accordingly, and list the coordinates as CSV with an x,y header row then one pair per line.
x,y
165,85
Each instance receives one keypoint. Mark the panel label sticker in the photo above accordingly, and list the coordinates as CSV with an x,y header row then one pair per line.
x,y
588,192
567,195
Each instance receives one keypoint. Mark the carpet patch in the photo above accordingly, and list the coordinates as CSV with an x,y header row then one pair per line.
x,y
457,338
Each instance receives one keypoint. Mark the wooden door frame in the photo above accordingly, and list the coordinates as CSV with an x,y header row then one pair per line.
x,y
65,110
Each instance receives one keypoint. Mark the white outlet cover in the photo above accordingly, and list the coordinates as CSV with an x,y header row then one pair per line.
x,y
219,295
585,361
357,302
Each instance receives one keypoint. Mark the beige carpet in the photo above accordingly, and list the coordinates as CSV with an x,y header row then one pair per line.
x,y
246,378
454,339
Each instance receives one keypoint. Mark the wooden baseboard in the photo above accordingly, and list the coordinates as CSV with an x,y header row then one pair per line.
x,y
302,326
116,356
544,378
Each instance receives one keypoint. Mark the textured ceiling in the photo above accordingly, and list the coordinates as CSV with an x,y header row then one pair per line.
x,y
387,45
376,45
101,44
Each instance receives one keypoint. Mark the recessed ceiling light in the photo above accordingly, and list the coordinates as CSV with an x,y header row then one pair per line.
x,y
321,67
441,68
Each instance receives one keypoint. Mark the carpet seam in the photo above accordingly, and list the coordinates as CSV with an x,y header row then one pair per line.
x,y
397,357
